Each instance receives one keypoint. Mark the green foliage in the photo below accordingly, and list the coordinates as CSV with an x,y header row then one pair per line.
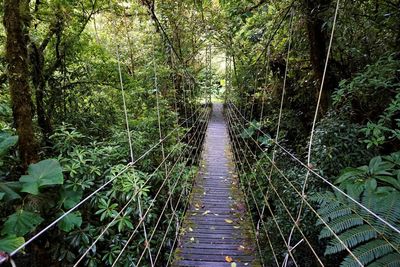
x,y
71,221
10,243
6,142
337,144
367,88
387,128
46,172
20,223
376,187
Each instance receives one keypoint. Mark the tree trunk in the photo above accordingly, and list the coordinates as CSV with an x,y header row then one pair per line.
x,y
317,40
16,19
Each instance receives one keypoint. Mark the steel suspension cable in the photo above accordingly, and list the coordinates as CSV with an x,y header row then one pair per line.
x,y
130,201
197,143
232,134
147,211
321,177
307,203
179,225
287,210
265,200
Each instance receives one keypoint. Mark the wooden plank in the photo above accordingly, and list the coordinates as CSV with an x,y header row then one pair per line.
x,y
214,227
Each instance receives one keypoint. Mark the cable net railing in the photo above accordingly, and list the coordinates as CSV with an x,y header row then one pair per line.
x,y
284,204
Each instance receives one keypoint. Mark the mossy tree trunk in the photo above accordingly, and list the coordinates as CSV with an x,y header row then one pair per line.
x,y
16,20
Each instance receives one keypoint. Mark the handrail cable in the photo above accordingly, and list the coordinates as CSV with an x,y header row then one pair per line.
x,y
298,192
305,201
127,204
321,177
255,202
147,211
180,222
316,114
196,145
265,199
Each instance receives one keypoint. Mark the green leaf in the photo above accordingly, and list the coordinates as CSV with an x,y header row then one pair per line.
x,y
45,172
71,221
6,142
69,197
9,190
21,223
2,195
10,243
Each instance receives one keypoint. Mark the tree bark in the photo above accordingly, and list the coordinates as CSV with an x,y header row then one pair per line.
x,y
317,40
16,19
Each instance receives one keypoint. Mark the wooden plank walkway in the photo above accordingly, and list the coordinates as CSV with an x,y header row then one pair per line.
x,y
216,230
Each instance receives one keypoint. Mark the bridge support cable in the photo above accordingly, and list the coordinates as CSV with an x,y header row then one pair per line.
x,y
158,193
304,200
315,121
235,141
325,180
289,248
136,193
186,205
241,172
264,154
196,147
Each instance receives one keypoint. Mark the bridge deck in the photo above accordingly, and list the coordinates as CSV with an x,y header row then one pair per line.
x,y
216,230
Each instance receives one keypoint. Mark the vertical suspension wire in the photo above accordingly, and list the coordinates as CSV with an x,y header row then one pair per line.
x,y
304,187
284,86
124,103
147,245
183,88
253,97
282,98
265,83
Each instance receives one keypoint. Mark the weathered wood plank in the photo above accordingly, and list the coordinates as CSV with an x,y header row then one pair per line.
x,y
216,224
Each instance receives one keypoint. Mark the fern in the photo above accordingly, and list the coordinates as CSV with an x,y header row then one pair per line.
x,y
340,224
390,260
333,212
367,253
368,238
351,238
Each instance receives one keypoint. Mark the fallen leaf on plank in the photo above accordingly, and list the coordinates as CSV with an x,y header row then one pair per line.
x,y
228,259
206,212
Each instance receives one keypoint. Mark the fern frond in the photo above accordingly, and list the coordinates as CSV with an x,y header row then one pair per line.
x,y
340,224
351,238
390,260
368,252
334,212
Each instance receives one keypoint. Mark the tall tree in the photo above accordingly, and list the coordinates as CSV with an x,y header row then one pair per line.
x,y
16,20
317,41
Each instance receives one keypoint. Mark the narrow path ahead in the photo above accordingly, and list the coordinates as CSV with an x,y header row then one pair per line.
x,y
216,230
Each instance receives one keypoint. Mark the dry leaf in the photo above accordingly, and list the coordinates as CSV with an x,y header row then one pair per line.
x,y
228,259
206,212
233,264
228,221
